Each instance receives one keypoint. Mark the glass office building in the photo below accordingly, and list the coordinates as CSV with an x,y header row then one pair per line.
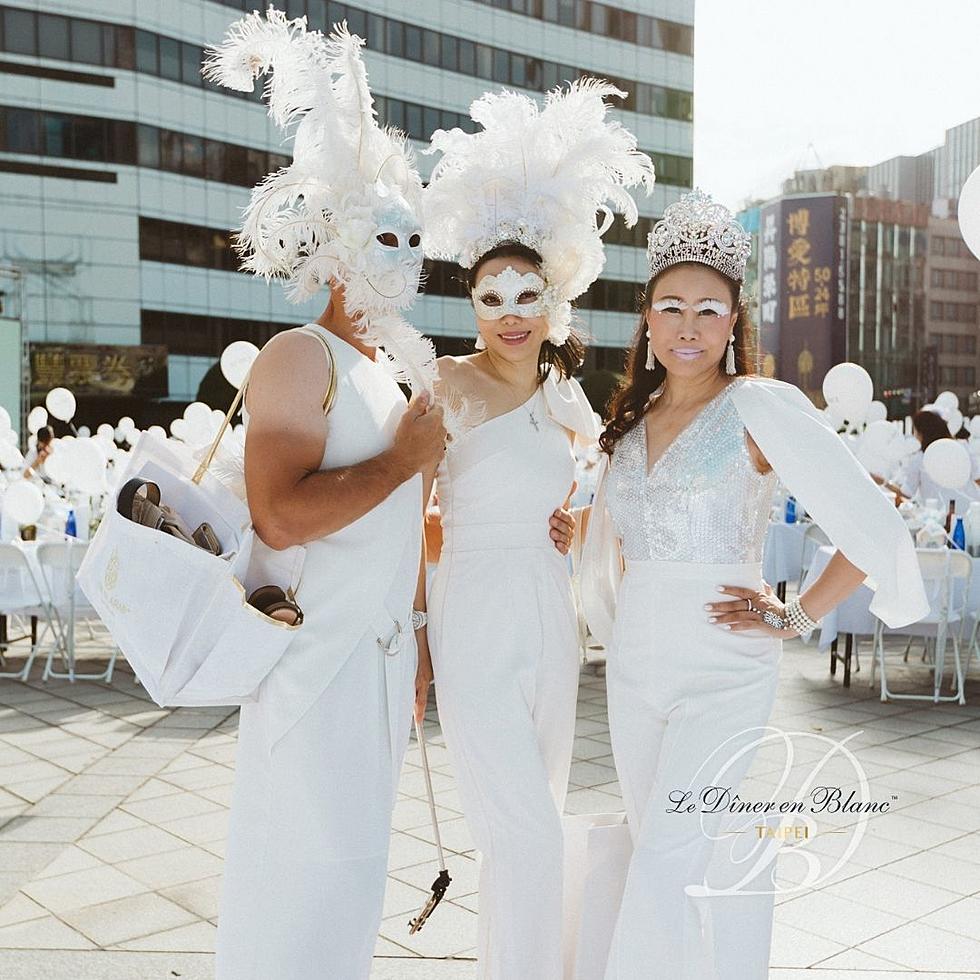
x,y
122,171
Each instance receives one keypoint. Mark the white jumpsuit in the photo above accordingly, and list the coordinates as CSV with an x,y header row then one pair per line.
x,y
320,751
502,632
684,694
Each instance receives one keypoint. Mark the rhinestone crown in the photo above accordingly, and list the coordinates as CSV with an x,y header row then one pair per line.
x,y
698,229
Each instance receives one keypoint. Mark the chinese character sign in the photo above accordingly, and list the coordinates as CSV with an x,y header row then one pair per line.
x,y
769,292
99,370
802,326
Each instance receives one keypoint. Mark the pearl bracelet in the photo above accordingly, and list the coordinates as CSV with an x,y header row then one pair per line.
x,y
797,618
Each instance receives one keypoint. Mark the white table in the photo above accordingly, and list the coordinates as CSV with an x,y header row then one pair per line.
x,y
782,553
853,617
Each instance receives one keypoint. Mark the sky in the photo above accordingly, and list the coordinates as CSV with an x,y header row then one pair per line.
x,y
782,85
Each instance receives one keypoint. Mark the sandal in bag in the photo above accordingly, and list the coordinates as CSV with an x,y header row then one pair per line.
x,y
139,501
273,602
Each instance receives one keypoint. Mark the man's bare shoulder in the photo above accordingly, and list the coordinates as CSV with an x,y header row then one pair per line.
x,y
290,370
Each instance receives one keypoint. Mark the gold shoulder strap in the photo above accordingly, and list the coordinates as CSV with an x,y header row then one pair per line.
x,y
331,393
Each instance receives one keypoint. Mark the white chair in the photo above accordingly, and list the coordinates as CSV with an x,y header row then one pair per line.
x,y
22,597
59,562
946,573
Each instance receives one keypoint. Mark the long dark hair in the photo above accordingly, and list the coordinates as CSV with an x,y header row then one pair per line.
x,y
565,359
931,426
629,401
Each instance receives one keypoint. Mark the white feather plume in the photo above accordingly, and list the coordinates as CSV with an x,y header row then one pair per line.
x,y
537,175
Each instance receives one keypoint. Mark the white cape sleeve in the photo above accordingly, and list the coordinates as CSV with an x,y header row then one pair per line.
x,y
835,489
568,406
602,567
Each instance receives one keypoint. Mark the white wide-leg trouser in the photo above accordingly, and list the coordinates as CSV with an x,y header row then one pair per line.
x,y
505,655
310,823
684,698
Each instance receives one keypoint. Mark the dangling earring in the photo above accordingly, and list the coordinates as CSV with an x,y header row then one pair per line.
x,y
651,364
730,356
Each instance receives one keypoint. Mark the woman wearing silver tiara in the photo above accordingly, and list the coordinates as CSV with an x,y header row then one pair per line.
x,y
695,444
515,204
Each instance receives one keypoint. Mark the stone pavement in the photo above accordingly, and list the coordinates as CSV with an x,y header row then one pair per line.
x,y
113,816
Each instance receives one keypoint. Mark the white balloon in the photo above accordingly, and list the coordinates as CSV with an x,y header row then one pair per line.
x,y
912,445
179,428
848,390
948,463
954,421
84,431
236,359
157,430
975,426
37,419
120,434
946,399
10,456
61,404
126,424
88,464
4,419
58,466
197,414
24,502
877,411
878,435
968,211
106,431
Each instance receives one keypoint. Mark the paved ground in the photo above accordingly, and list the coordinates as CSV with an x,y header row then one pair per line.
x,y
113,817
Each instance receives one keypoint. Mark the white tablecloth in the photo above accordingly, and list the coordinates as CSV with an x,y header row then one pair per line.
x,y
850,616
782,552
853,614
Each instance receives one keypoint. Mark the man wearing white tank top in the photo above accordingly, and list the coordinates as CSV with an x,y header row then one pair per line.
x,y
320,749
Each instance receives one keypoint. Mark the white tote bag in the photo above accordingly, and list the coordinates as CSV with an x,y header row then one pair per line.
x,y
598,849
177,612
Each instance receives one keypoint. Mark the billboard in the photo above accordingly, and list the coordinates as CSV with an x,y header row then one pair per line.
x,y
803,288
99,370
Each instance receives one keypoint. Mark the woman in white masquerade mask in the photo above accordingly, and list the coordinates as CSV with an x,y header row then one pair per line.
x,y
502,627
693,446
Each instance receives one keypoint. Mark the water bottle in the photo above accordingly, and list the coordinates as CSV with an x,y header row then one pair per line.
x,y
791,510
70,529
959,534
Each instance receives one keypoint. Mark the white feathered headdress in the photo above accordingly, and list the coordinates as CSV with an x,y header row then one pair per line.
x,y
537,176
347,208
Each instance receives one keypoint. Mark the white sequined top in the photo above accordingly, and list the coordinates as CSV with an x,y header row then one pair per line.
x,y
704,501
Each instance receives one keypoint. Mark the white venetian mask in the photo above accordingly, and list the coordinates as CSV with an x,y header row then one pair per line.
x,y
393,256
523,295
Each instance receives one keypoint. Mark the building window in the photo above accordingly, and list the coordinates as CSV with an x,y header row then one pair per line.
x,y
146,53
148,146
53,37
20,31
86,42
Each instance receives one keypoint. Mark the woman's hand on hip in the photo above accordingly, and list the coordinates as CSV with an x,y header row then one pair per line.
x,y
745,611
